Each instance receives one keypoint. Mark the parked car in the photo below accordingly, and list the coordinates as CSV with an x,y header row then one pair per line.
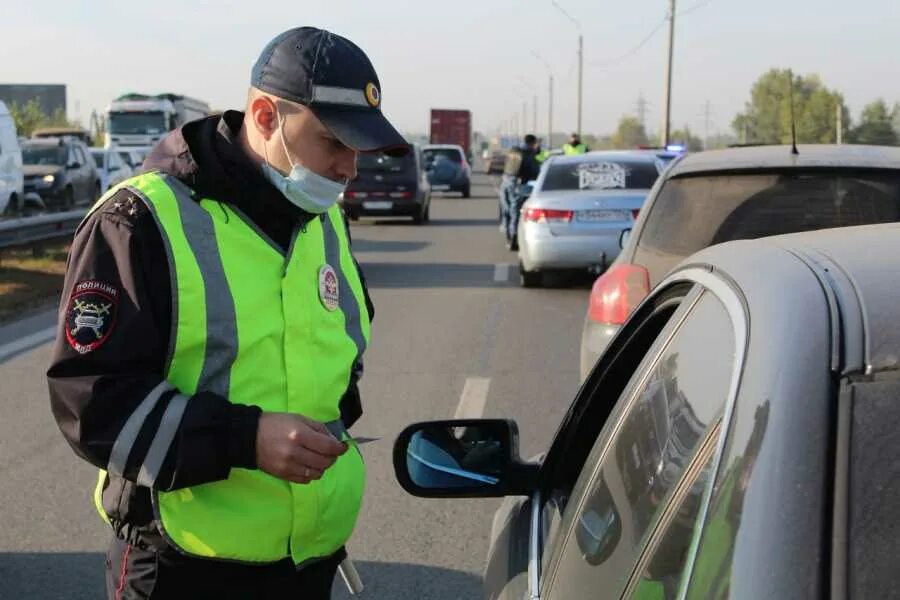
x,y
61,171
578,209
738,440
448,169
110,166
12,188
131,158
391,186
739,193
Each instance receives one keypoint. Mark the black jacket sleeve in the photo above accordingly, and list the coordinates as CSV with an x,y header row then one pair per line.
x,y
109,357
351,402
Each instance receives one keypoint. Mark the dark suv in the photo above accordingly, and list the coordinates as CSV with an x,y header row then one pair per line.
x,y
61,171
389,186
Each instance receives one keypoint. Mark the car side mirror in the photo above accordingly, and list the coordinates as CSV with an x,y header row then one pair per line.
x,y
624,237
74,165
463,458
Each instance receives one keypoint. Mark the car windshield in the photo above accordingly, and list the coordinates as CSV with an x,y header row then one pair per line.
x,y
384,163
98,158
694,212
135,123
126,158
600,174
44,155
435,154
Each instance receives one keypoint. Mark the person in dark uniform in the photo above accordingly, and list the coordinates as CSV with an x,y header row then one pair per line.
x,y
211,334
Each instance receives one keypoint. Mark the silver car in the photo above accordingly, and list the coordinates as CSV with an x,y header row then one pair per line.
x,y
578,209
739,193
739,439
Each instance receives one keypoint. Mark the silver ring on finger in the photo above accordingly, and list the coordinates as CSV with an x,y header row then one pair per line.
x,y
306,472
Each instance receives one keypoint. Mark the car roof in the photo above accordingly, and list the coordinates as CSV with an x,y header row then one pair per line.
x,y
438,146
780,157
859,267
44,141
639,155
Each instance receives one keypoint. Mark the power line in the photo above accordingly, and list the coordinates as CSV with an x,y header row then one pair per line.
x,y
568,16
635,49
693,7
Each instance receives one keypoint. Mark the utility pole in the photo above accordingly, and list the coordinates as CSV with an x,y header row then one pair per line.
x,y
707,112
840,123
549,100
642,110
580,58
667,103
525,115
550,116
580,73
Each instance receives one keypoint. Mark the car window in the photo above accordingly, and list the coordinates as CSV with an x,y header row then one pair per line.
x,y
661,572
598,173
674,398
79,156
380,162
98,159
451,154
691,213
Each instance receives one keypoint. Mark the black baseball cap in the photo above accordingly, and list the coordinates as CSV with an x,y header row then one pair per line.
x,y
334,78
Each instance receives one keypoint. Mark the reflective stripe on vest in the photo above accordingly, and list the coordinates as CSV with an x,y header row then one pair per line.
x,y
259,328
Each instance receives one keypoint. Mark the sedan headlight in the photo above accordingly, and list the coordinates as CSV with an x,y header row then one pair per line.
x,y
49,179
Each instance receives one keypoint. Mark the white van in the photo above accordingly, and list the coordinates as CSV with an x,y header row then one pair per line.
x,y
11,178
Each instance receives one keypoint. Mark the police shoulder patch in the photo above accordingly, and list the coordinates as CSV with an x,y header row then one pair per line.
x,y
91,314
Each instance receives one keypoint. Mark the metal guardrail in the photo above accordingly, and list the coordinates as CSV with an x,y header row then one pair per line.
x,y
21,232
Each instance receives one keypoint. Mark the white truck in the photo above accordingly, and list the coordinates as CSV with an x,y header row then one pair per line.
x,y
138,121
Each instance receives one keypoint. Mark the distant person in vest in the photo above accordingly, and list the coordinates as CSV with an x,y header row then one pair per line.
x,y
575,146
211,334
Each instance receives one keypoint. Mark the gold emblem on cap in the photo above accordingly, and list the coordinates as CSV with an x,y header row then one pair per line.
x,y
373,96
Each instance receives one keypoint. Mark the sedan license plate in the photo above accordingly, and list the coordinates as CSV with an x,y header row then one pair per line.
x,y
440,188
378,205
591,216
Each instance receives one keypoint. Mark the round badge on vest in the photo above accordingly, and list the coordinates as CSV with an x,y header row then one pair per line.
x,y
328,288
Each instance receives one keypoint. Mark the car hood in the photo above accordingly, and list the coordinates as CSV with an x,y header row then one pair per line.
x,y
40,170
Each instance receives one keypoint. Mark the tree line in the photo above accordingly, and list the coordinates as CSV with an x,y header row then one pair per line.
x,y
819,113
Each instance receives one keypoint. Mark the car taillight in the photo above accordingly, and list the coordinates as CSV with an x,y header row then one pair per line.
x,y
355,195
547,215
401,194
618,292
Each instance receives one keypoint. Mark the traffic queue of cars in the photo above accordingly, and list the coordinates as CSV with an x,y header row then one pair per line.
x,y
387,185
56,169
735,431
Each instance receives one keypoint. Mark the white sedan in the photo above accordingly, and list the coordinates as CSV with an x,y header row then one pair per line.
x,y
578,209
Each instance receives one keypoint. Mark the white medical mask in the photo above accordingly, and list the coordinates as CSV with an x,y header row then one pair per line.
x,y
307,190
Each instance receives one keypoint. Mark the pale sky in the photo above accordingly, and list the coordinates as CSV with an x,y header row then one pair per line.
x,y
473,54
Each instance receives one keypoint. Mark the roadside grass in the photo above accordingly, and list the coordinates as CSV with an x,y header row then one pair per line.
x,y
31,278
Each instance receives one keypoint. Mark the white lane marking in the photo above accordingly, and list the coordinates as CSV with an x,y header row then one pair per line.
x,y
27,342
501,272
473,398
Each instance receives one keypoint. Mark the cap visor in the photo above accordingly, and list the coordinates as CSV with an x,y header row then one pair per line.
x,y
362,130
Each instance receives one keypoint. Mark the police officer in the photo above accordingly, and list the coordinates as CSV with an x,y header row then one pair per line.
x,y
574,146
521,167
211,336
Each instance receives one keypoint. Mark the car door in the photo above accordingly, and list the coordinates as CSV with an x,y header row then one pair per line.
x,y
82,176
114,166
648,469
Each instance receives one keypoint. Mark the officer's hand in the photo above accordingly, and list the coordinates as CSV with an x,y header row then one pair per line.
x,y
295,448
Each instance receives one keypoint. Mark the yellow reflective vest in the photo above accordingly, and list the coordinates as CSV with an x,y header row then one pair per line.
x,y
260,328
